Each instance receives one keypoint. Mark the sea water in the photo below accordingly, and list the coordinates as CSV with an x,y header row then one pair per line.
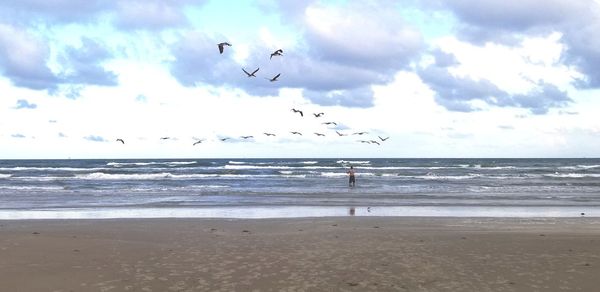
x,y
266,188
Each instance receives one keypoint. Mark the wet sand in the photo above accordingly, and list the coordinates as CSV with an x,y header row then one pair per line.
x,y
308,254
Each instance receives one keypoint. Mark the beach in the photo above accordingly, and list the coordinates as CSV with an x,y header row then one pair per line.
x,y
301,254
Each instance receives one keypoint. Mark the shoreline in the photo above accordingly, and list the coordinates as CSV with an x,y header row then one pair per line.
x,y
273,212
315,254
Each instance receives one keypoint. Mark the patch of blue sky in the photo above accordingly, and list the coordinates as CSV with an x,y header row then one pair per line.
x,y
220,19
432,24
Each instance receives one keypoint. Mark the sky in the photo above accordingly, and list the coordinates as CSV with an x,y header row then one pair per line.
x,y
453,78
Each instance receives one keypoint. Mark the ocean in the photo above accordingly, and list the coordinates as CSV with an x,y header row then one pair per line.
x,y
266,188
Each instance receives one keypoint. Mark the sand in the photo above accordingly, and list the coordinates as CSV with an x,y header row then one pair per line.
x,y
309,254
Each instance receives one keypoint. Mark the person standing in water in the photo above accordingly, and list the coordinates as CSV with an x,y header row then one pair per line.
x,y
352,178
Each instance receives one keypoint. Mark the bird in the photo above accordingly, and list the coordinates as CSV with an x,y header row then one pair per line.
x,y
197,142
296,133
246,137
120,140
360,133
374,142
274,78
224,139
298,111
250,74
364,141
277,53
383,139
269,134
165,138
330,123
319,134
318,114
221,46
340,134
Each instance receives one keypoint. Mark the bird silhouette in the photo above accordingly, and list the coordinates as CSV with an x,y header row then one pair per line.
x,y
277,53
120,140
246,137
320,135
374,142
298,111
269,134
340,134
360,133
296,133
165,138
251,74
274,78
364,141
383,139
330,123
197,142
222,46
224,139
318,114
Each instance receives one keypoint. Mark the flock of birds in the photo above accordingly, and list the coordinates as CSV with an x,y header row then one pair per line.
x,y
276,53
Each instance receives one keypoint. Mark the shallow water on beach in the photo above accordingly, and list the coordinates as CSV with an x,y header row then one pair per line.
x,y
226,184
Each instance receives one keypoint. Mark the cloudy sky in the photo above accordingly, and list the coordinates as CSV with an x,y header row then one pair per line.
x,y
453,78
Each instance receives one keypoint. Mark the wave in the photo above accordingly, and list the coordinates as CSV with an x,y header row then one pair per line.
x,y
74,169
353,162
170,163
573,175
237,162
240,167
5,175
309,162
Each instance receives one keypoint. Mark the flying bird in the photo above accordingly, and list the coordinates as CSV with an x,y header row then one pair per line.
x,y
165,138
330,123
120,140
374,142
296,133
222,46
364,141
298,111
224,139
319,134
340,134
269,134
383,139
274,78
318,114
197,142
247,137
360,133
251,74
277,53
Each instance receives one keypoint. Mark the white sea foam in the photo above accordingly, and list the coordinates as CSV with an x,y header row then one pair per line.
x,y
74,169
309,162
2,175
237,162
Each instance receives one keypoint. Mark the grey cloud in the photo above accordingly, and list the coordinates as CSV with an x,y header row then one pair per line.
x,y
84,64
540,100
127,14
508,21
24,104
23,59
443,59
332,69
151,14
456,93
20,136
93,138
52,10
